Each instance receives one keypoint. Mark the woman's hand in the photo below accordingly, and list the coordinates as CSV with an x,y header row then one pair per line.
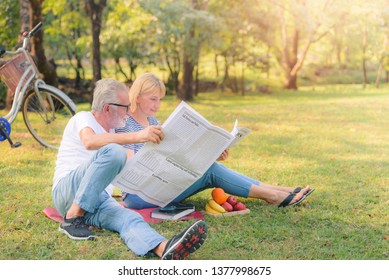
x,y
224,155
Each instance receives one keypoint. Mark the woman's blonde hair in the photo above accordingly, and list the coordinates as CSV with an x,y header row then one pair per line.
x,y
145,84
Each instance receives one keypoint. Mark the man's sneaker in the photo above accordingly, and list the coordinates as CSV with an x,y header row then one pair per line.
x,y
180,246
76,229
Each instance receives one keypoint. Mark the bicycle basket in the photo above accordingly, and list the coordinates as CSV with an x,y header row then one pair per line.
x,y
12,71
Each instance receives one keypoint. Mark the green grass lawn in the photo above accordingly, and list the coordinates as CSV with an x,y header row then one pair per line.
x,y
336,139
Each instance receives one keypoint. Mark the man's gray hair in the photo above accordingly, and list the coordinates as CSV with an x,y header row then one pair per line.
x,y
106,91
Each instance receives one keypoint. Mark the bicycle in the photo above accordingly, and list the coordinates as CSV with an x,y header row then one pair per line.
x,y
46,109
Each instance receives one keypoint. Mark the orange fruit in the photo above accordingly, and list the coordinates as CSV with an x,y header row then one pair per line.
x,y
219,195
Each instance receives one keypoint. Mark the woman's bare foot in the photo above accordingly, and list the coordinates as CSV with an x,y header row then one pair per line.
x,y
283,189
278,195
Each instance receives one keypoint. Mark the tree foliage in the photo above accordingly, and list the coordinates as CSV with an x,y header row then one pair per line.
x,y
9,23
281,38
66,29
126,36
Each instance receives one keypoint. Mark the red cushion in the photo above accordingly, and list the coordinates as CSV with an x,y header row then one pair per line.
x,y
53,214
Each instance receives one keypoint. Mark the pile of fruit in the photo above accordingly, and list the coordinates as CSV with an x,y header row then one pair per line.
x,y
223,203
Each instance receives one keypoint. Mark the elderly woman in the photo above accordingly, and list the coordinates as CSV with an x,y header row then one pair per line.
x,y
145,97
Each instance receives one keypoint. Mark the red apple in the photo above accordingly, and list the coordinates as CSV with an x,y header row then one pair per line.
x,y
239,206
227,206
232,200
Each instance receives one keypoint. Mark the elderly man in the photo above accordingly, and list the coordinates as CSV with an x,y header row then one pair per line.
x,y
89,158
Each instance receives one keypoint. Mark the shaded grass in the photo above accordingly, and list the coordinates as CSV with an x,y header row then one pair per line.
x,y
333,138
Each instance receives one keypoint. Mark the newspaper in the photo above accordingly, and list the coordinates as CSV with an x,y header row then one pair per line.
x,y
238,133
159,173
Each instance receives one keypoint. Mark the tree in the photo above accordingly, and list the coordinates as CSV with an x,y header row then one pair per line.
x,y
95,8
235,44
24,16
290,27
179,30
198,25
126,36
368,18
168,35
8,38
38,50
67,33
30,15
382,61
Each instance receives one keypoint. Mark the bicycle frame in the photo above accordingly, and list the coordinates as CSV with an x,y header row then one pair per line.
x,y
22,77
32,74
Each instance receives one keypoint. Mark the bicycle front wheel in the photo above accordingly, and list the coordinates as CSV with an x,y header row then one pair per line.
x,y
46,115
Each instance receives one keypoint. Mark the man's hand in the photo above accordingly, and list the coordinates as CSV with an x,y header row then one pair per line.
x,y
224,155
151,133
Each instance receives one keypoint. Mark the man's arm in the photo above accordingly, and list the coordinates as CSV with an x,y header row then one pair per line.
x,y
93,141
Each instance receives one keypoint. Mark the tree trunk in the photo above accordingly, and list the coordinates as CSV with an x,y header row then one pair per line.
x,y
186,90
24,16
364,46
382,61
95,11
197,86
133,67
290,59
80,69
242,81
191,57
216,65
46,68
226,77
379,73
77,68
293,65
291,82
173,73
119,67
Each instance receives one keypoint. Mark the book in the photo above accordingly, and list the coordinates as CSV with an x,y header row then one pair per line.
x,y
172,213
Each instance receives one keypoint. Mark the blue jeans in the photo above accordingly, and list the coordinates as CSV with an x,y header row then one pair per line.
x,y
217,176
85,186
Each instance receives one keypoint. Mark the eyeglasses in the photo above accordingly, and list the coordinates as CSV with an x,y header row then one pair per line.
x,y
120,105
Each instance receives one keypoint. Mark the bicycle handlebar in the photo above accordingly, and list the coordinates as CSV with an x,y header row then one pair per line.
x,y
27,36
34,30
31,33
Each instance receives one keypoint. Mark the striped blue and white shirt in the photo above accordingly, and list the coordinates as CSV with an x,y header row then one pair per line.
x,y
133,126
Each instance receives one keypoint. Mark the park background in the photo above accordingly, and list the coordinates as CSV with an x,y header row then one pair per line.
x,y
310,78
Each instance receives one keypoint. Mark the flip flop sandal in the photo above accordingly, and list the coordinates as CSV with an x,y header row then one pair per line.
x,y
287,200
308,193
290,197
297,190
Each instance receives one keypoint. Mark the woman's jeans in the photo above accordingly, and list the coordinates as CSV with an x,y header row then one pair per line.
x,y
217,176
85,186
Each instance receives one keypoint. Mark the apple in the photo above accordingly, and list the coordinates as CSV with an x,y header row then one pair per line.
x,y
239,206
232,200
227,206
